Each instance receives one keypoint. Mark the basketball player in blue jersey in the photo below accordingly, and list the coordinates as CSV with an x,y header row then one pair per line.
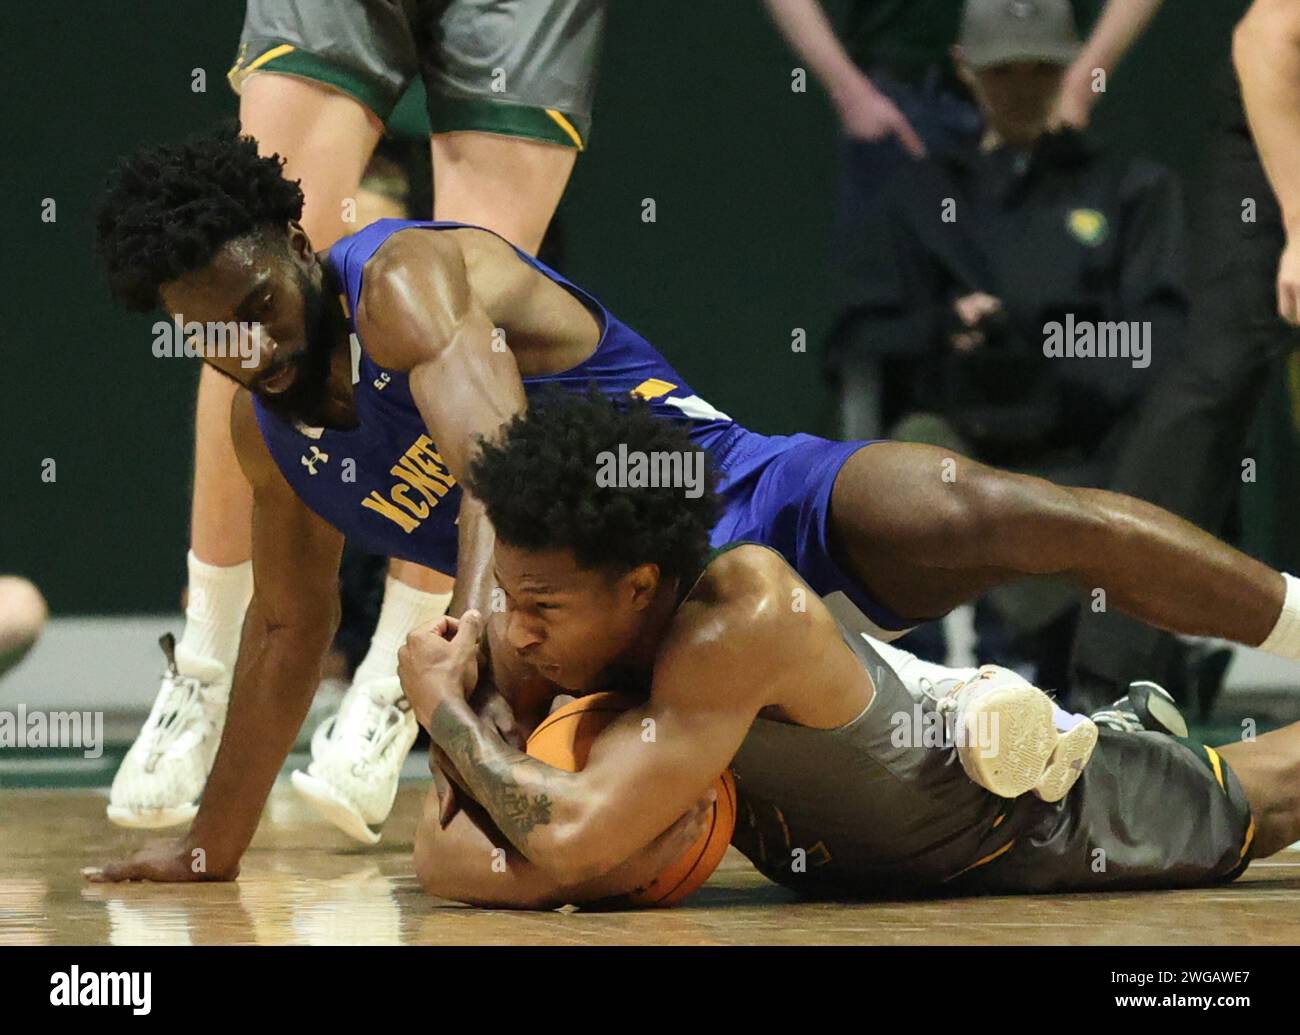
x,y
374,370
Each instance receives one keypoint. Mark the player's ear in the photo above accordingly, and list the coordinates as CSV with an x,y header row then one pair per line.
x,y
642,581
300,243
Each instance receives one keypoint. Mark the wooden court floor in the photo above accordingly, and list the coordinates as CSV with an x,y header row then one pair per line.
x,y
304,883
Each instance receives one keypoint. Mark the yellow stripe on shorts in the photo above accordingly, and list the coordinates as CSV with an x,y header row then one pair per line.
x,y
568,127
1216,765
980,862
1249,840
237,75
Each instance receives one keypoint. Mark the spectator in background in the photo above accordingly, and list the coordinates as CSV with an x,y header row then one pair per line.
x,y
897,98
989,258
1187,451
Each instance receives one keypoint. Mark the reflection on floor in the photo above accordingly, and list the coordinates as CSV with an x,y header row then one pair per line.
x,y
305,883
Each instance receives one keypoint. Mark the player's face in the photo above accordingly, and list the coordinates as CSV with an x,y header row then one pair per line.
x,y
256,312
571,624
1017,98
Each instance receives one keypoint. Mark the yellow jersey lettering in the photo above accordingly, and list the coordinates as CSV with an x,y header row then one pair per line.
x,y
379,505
398,493
431,489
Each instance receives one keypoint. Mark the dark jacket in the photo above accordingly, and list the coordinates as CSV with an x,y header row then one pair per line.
x,y
1065,229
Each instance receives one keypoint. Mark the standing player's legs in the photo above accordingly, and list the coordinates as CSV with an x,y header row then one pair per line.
x,y
509,107
507,184
326,138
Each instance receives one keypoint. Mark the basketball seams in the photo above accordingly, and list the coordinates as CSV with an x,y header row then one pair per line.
x,y
560,714
727,786
704,847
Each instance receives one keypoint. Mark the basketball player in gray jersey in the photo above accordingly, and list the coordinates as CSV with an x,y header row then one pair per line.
x,y
841,791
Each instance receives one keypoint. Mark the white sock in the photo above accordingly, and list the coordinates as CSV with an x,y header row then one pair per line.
x,y
402,610
214,613
1284,639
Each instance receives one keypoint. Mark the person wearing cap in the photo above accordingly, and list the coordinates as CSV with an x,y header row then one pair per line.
x,y
897,98
1023,291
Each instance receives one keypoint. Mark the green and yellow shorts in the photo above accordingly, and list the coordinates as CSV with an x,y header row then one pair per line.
x,y
515,67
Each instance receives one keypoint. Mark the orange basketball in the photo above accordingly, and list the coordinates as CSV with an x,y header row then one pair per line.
x,y
563,739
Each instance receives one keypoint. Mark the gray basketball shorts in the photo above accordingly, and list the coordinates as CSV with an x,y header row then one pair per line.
x,y
524,68
1149,811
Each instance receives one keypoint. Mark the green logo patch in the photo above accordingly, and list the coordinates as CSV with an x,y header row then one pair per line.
x,y
1088,226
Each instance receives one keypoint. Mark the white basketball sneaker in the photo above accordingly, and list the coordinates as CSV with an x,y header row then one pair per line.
x,y
357,758
162,776
1011,738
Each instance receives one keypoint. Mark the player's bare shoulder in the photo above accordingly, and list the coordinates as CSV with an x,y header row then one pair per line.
x,y
420,284
750,582
413,293
748,609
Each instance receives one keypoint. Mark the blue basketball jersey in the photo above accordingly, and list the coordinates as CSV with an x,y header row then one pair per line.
x,y
386,487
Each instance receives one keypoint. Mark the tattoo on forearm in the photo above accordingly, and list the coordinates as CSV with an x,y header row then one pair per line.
x,y
514,788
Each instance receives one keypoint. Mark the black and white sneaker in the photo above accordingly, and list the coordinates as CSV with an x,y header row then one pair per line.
x,y
1147,706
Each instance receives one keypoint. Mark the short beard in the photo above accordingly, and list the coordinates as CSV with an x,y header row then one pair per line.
x,y
307,400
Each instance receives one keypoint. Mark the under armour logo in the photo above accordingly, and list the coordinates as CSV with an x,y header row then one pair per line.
x,y
381,382
317,457
1022,8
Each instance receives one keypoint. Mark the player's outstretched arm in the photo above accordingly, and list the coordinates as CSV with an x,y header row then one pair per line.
x,y
418,313
580,826
933,516
288,628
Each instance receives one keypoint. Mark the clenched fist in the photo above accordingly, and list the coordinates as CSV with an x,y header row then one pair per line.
x,y
440,660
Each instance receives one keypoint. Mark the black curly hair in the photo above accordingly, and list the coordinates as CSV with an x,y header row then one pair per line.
x,y
539,486
169,209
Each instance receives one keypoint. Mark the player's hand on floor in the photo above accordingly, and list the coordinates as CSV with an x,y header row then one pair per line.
x,y
170,862
638,872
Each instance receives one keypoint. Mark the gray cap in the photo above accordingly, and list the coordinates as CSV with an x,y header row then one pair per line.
x,y
996,32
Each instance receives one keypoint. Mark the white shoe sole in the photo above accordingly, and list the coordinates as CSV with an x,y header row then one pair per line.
x,y
1031,755
1073,749
330,807
151,819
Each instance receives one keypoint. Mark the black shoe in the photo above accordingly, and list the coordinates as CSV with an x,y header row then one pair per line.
x,y
1146,706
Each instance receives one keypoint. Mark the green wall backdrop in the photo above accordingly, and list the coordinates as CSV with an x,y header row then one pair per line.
x,y
694,110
